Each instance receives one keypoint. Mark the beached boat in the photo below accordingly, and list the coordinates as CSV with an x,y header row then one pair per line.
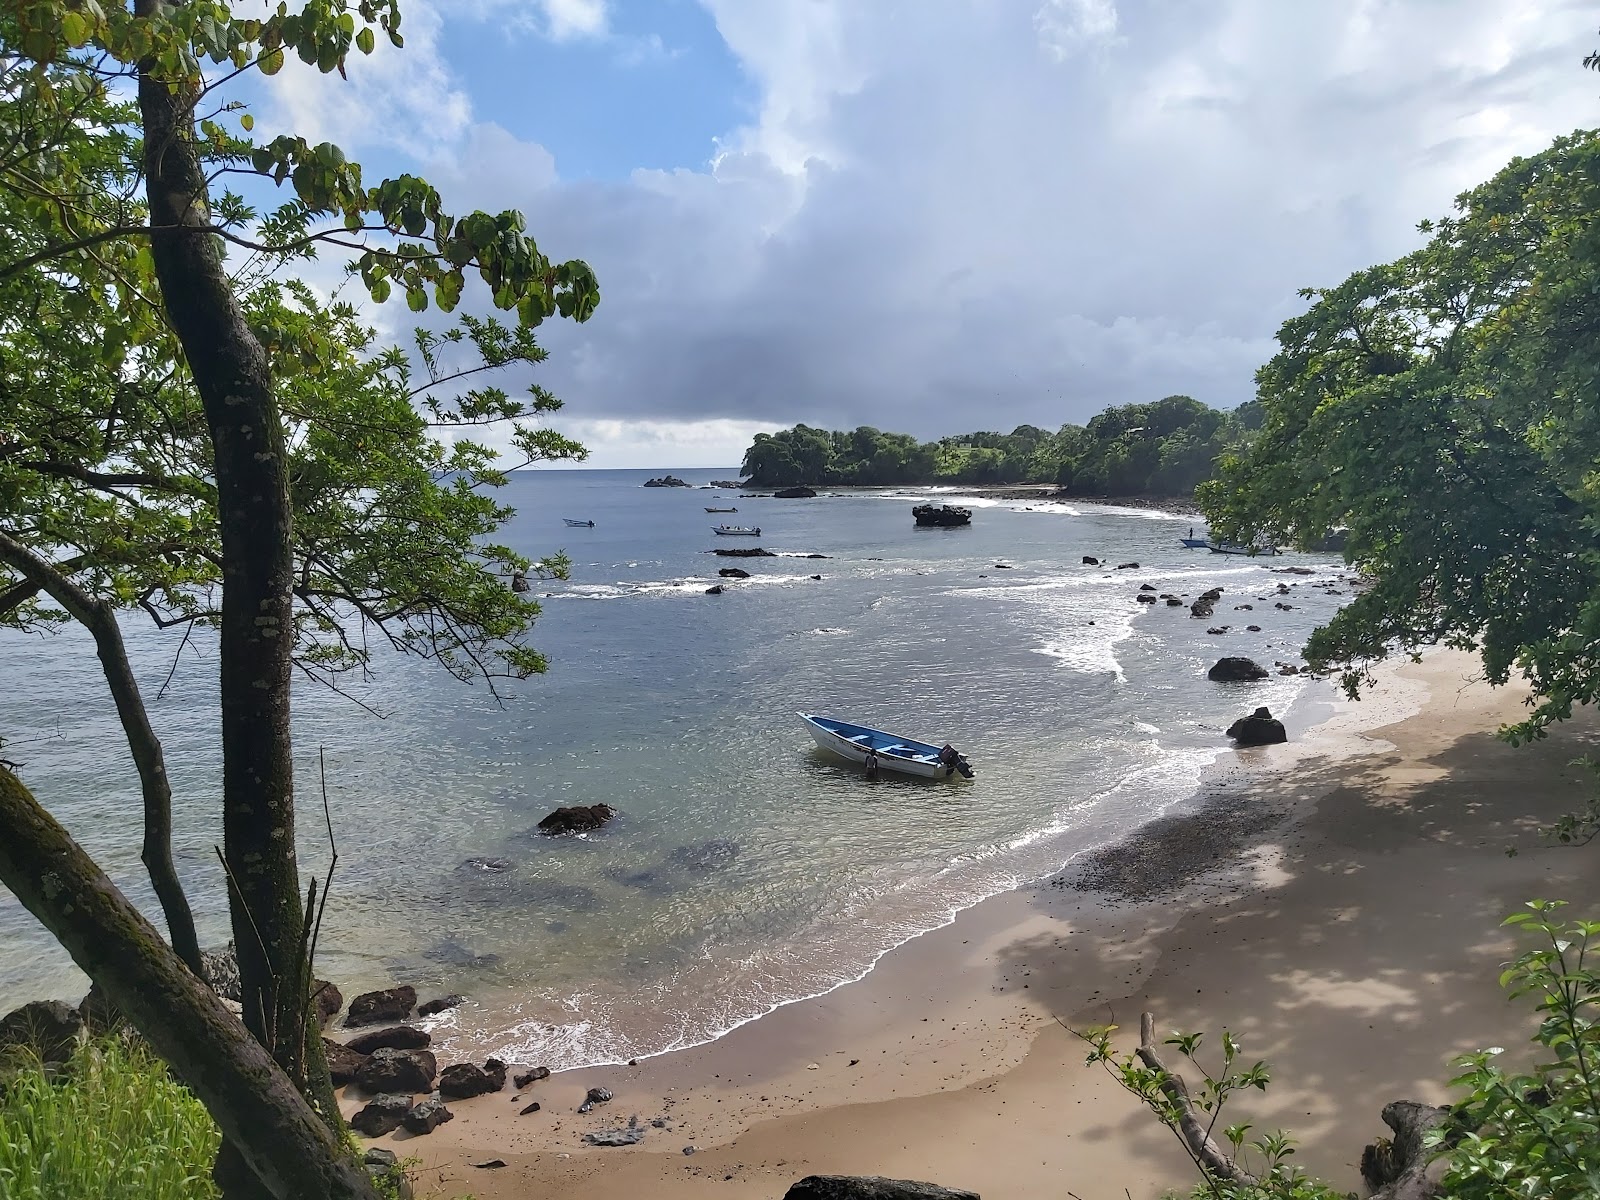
x,y
737,530
578,524
722,510
894,753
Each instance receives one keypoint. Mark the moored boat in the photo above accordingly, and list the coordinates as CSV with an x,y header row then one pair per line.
x,y
1238,548
722,510
892,752
737,530
1193,543
578,524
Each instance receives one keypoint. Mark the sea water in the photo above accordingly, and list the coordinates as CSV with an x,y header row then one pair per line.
x,y
745,869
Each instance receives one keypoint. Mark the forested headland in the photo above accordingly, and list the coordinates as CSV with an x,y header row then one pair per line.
x,y
1164,448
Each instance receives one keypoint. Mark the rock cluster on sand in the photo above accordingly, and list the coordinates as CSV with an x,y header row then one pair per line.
x,y
1260,728
381,1115
578,818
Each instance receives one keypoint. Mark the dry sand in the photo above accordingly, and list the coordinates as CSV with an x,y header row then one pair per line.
x,y
1340,914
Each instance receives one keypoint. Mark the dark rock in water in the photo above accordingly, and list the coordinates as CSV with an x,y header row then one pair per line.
x,y
452,952
1236,670
556,926
1282,605
714,591
519,581
435,1007
1244,608
221,970
1147,587
343,1062
705,856
734,573
666,481
524,1078
871,1187
386,1172
374,1008
1204,606
816,577
1295,570
1145,598
576,819
725,483
383,1114
1128,566
794,493
48,1027
1174,602
461,1081
943,516
1089,561
396,1037
1260,728
1219,629
571,896
751,552
390,1070
1253,628
1004,567
830,556
1288,669
427,1116
328,999
646,881
595,1095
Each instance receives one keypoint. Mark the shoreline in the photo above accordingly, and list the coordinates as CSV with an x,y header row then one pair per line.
x,y
955,1016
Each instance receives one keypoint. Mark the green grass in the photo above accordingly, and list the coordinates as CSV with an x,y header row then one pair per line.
x,y
111,1125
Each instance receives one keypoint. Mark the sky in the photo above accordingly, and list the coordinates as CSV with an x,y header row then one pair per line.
x,y
938,216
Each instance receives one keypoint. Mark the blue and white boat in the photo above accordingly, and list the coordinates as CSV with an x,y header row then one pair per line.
x,y
737,530
894,753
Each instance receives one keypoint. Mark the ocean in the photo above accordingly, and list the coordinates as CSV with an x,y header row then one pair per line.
x,y
745,869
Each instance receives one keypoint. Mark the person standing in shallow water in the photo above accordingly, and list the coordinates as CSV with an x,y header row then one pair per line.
x,y
872,765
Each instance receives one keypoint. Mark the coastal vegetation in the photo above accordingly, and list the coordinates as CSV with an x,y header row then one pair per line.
x,y
1164,448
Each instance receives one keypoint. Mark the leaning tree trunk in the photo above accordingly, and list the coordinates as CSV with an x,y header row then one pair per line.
x,y
100,619
260,1112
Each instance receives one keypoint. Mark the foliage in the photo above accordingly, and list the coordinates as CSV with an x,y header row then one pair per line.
x,y
113,1125
1164,448
1443,410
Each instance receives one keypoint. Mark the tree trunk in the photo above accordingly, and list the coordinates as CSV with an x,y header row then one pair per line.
x,y
1398,1170
100,619
288,1148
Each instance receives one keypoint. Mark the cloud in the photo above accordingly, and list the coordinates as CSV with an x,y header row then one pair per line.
x,y
565,20
1067,26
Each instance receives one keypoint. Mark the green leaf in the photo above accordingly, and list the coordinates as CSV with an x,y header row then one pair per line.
x,y
365,41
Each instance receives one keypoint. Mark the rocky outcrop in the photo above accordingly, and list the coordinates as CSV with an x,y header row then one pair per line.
x,y
579,818
1128,566
381,1115
396,1037
382,1007
1260,728
461,1081
753,552
50,1028
666,481
343,1062
1090,561
389,1070
1204,606
871,1187
1145,598
434,1007
328,999
1147,587
387,1173
519,582
1174,602
943,516
1236,670
794,493
734,573
714,590
725,483
427,1116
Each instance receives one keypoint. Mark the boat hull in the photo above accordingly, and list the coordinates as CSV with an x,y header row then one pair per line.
x,y
735,531
1195,543
904,756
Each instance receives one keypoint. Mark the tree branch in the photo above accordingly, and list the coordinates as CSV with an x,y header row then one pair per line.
x,y
1205,1151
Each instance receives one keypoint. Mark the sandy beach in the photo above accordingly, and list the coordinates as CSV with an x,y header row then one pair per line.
x,y
1337,905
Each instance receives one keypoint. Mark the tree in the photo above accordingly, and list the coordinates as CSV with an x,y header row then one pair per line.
x,y
1442,409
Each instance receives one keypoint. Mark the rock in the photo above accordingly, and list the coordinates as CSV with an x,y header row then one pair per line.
x,y
725,483
1004,567
1145,598
734,573
1260,728
944,516
666,481
794,493
391,1070
1147,587
1282,605
1244,608
221,970
489,866
752,552
714,591
98,1013
870,1187
629,1135
1253,628
50,1028
427,1116
576,819
396,1037
1174,602
1127,566
687,1151
816,577
382,1114
1219,629
343,1062
523,1078
532,1108
493,1164
390,1004
434,1007
1204,605
595,1095
328,999
386,1172
462,1081
705,856
1295,570
1236,670
830,556
519,581
1090,561
1288,669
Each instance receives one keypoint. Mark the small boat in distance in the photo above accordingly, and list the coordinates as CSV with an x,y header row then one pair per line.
x,y
737,530
893,753
578,524
1195,543
1236,548
722,510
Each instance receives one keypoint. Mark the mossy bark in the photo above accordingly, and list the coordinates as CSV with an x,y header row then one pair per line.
x,y
287,1146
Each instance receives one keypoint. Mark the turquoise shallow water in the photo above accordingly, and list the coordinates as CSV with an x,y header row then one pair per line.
x,y
746,869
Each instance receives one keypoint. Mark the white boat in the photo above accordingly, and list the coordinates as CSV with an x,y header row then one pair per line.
x,y
1236,548
737,530
894,753
578,524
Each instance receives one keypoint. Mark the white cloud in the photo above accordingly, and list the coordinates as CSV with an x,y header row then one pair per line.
x,y
566,20
619,444
1066,27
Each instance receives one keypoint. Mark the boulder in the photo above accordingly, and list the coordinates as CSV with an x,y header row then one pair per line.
x,y
98,1013
725,483
816,577
50,1028
1145,598
1147,587
382,1114
714,591
519,581
1260,728
740,552
328,999
434,1007
1090,561
386,1172
343,1062
871,1187
531,1108
1236,670
1219,629
578,818
382,1007
1004,567
1288,669
1128,566
524,1078
221,970
427,1116
830,556
666,481
1174,602
734,573
1206,603
390,1070
794,493
595,1095
1253,628
943,516
395,1037
461,1081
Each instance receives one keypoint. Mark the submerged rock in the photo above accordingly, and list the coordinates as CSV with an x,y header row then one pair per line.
x,y
705,856
435,1007
390,1004
1236,670
794,493
1260,728
577,818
